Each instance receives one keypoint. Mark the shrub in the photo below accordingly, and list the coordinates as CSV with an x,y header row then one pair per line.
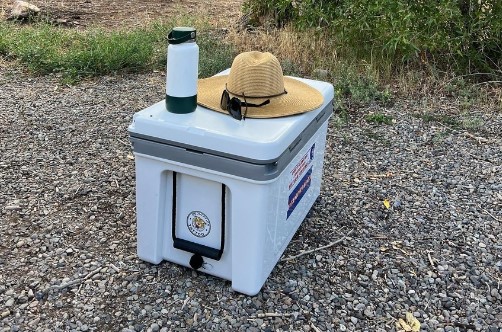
x,y
463,35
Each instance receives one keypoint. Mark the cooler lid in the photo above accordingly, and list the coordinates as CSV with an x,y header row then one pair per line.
x,y
250,139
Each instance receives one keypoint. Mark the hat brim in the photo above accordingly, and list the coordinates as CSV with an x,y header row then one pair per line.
x,y
300,98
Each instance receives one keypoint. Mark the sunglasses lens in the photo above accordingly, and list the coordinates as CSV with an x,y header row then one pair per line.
x,y
235,108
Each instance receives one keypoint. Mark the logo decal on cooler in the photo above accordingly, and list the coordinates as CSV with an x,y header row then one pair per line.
x,y
198,224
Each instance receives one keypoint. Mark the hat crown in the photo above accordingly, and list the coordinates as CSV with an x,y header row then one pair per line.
x,y
255,74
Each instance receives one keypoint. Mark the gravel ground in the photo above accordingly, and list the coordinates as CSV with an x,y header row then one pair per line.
x,y
67,208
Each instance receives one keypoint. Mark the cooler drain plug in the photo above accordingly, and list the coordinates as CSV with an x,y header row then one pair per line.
x,y
196,262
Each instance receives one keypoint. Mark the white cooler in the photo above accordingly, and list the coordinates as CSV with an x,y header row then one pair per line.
x,y
225,196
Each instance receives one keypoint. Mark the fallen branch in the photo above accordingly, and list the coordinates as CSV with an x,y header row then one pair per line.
x,y
317,249
479,139
273,314
72,282
314,327
489,82
491,215
430,260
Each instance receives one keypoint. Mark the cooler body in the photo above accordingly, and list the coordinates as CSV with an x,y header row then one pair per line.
x,y
209,193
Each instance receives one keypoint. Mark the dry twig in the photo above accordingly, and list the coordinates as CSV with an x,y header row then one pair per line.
x,y
73,282
317,249
491,215
479,139
430,260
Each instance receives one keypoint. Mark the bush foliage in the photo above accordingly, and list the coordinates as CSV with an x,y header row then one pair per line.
x,y
461,35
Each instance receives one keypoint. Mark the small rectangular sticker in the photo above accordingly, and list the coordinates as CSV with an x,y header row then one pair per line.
x,y
299,191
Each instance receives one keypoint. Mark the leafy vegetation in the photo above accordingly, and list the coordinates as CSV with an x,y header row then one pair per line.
x,y
379,118
75,54
459,35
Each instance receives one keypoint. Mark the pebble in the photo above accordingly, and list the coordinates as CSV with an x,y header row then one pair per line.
x,y
10,302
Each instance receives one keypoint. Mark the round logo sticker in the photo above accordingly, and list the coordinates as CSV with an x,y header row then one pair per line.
x,y
198,224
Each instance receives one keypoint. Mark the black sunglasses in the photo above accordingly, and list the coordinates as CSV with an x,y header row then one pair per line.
x,y
234,105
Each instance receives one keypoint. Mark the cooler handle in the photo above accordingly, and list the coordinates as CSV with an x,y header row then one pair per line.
x,y
293,145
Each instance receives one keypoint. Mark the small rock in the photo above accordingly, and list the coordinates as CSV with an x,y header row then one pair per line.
x,y
369,313
9,303
39,296
360,307
23,10
34,322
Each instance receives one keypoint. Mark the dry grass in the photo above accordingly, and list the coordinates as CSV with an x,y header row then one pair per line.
x,y
307,51
308,54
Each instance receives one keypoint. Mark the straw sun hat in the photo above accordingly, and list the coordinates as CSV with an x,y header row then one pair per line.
x,y
256,79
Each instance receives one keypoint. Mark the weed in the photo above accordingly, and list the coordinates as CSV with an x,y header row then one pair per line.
x,y
376,137
360,87
471,122
214,56
290,68
341,117
75,54
378,118
459,87
346,140
440,118
440,137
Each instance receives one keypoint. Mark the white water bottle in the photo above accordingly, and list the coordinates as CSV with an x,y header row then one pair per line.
x,y
182,70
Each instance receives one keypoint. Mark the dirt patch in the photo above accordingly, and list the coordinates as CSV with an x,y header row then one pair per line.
x,y
114,14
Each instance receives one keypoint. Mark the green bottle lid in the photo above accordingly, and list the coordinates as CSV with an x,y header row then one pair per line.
x,y
181,35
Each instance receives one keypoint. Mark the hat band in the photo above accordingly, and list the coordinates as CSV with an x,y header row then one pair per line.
x,y
255,97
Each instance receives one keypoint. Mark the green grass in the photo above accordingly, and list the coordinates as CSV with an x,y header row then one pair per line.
x,y
378,118
441,136
445,119
360,88
73,54
463,121
376,137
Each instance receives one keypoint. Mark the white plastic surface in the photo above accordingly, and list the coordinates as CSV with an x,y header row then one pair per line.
x,y
195,194
182,70
256,139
